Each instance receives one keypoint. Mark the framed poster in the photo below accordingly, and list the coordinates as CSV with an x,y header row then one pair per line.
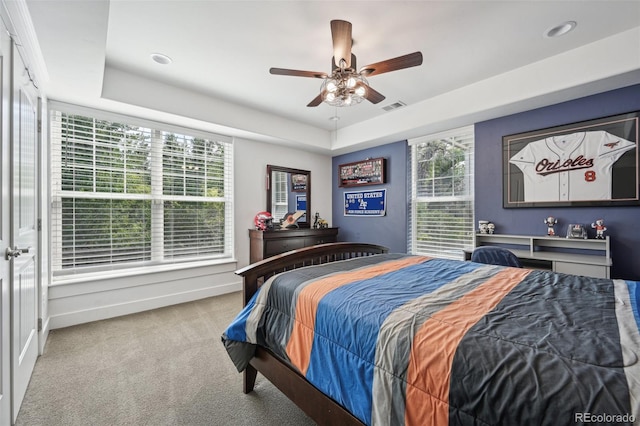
x,y
367,172
298,182
590,163
365,203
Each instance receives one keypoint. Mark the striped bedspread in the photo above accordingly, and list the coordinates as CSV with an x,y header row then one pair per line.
x,y
409,340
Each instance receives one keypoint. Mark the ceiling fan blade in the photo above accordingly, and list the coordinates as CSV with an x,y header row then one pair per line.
x,y
401,62
342,41
374,96
297,73
316,101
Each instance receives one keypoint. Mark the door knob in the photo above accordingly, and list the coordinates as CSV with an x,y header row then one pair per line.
x,y
15,252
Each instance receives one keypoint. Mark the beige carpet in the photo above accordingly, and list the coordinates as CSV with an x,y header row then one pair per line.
x,y
161,367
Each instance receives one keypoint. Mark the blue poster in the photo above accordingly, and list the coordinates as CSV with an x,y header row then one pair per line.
x,y
365,203
301,202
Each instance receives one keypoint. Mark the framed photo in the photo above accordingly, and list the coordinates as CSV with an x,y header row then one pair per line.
x,y
298,182
367,172
590,163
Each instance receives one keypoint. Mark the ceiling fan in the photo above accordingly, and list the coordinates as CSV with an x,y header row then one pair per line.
x,y
346,85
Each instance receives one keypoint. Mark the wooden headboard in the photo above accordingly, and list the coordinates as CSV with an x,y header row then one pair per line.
x,y
256,273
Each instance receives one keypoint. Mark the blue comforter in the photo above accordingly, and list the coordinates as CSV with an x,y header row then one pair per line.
x,y
400,339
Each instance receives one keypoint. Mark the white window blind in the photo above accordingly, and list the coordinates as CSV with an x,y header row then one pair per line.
x,y
280,202
442,203
128,193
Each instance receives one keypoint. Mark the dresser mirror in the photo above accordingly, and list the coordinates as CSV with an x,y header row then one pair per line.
x,y
289,191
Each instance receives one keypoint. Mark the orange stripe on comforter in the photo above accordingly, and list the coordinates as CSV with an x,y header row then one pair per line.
x,y
435,344
301,340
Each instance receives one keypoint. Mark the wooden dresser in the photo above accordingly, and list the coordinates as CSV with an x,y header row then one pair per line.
x,y
265,244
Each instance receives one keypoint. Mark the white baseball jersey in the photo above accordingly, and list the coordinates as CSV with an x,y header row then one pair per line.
x,y
573,167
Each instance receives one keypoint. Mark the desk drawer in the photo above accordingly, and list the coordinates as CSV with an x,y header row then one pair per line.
x,y
273,247
581,269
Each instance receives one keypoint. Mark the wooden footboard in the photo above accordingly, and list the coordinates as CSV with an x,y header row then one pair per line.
x,y
316,405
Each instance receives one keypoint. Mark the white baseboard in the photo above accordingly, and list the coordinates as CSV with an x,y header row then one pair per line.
x,y
43,334
104,312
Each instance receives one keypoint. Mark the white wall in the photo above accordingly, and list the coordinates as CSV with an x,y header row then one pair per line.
x,y
251,159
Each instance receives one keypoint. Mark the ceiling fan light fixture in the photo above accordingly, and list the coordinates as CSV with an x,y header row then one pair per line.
x,y
344,88
331,86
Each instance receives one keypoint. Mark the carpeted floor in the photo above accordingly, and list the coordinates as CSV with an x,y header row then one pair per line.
x,y
161,367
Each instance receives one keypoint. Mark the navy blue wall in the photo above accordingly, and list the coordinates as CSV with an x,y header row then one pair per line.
x,y
623,223
390,230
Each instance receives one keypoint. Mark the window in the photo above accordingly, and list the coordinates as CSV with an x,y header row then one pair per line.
x,y
441,222
128,193
280,202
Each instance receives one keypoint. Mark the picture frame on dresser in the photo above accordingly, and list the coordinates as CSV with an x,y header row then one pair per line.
x,y
588,163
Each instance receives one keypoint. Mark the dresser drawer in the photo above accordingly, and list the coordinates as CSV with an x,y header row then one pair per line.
x,y
265,244
273,247
312,241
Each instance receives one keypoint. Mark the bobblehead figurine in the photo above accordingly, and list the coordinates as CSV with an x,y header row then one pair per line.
x,y
483,226
491,228
551,221
598,225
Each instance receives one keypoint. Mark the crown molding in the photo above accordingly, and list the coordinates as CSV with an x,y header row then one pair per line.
x,y
17,22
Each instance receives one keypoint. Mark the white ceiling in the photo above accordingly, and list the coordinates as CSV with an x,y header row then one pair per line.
x,y
481,59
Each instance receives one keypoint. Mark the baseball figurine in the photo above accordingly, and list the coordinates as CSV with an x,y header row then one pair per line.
x,y
573,167
598,225
482,226
551,221
491,227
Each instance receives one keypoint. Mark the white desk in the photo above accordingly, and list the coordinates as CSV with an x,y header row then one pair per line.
x,y
591,258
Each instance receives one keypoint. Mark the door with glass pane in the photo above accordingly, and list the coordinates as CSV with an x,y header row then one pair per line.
x,y
24,230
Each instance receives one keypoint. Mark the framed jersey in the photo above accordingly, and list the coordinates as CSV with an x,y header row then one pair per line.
x,y
590,163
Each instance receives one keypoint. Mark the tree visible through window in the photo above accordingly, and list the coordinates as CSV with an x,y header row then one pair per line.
x,y
126,195
442,194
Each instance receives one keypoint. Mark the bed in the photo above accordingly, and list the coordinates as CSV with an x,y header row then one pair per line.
x,y
355,335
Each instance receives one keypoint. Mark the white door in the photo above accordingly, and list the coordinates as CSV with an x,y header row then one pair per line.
x,y
24,230
5,212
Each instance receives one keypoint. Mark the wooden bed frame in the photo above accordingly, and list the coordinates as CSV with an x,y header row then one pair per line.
x,y
321,408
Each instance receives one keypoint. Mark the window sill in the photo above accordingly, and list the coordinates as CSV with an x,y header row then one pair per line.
x,y
219,265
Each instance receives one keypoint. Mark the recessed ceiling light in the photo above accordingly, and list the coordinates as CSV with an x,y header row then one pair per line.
x,y
161,59
561,29
334,118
